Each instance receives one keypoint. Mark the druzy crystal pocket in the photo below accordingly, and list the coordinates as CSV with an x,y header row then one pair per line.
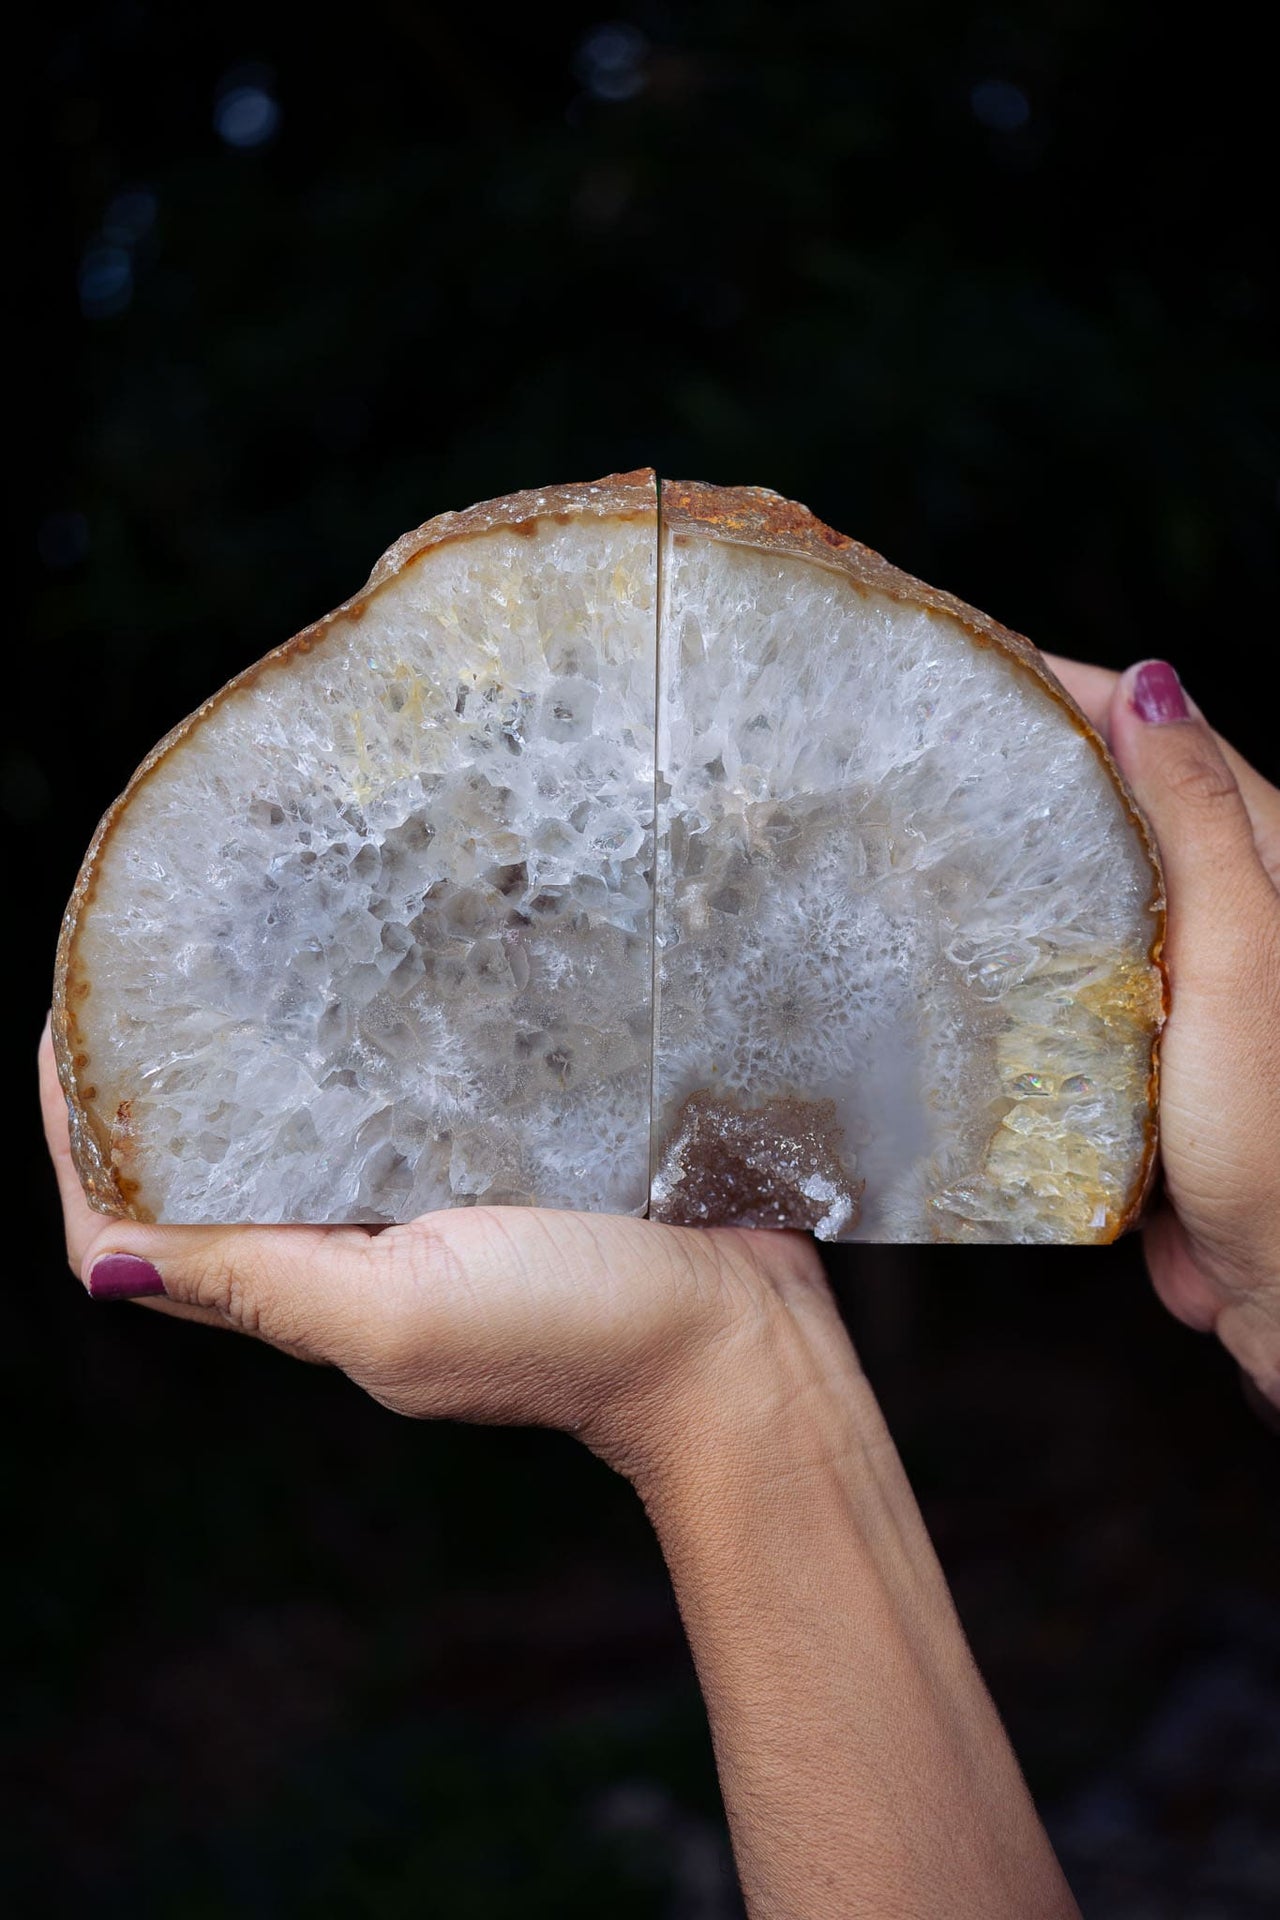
x,y
625,854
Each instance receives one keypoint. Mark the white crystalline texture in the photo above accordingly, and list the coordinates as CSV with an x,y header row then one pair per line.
x,y
377,937
389,928
894,874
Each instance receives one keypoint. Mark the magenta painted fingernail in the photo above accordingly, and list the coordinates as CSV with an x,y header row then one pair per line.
x,y
1157,694
122,1276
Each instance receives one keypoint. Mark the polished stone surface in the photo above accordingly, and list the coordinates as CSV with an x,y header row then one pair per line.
x,y
376,938
388,930
894,875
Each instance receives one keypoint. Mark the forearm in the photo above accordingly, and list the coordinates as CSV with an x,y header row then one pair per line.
x,y
863,1766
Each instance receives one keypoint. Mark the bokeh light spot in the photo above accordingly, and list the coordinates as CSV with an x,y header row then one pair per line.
x,y
999,105
610,62
130,217
246,113
105,281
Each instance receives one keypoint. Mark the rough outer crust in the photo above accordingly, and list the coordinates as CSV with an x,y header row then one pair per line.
x,y
617,496
756,517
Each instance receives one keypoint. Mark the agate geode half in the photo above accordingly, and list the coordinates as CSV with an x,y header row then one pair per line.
x,y
623,852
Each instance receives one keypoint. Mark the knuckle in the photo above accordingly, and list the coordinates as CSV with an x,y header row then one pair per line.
x,y
1200,777
255,1296
240,1302
229,1278
418,1259
411,1254
219,1282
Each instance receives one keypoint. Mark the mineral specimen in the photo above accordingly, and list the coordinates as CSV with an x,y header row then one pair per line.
x,y
603,856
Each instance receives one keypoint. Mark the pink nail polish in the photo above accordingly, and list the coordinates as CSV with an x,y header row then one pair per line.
x,y
1156,694
122,1276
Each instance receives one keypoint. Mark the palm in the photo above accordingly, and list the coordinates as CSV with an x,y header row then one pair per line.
x,y
508,1298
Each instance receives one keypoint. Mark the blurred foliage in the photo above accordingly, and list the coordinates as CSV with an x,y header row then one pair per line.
x,y
992,288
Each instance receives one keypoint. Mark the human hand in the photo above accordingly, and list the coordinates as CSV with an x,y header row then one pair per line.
x,y
856,1744
592,1323
1213,1241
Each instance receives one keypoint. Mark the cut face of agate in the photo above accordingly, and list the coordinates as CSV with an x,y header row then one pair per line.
x,y
692,861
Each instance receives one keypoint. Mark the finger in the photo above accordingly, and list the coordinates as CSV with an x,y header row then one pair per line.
x,y
1221,1048
307,1289
1093,688
1249,1328
83,1224
1220,894
1247,1321
210,1273
1090,687
1179,1283
398,1311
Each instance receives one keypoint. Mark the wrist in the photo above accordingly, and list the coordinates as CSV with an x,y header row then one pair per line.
x,y
771,1403
761,1334
773,1452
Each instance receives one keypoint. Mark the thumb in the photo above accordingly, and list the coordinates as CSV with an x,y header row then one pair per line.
x,y
1188,791
320,1293
1220,1053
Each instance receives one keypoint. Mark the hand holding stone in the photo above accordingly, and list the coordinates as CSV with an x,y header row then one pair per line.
x,y
856,1745
1213,1245
590,1310
595,1324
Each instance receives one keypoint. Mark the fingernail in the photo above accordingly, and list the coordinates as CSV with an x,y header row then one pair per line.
x,y
1156,694
122,1276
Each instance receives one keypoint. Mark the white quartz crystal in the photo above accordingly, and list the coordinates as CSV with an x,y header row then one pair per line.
x,y
386,928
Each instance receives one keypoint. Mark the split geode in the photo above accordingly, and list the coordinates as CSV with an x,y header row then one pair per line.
x,y
600,856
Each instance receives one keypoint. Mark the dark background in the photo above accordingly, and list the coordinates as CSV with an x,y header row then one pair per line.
x,y
990,289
